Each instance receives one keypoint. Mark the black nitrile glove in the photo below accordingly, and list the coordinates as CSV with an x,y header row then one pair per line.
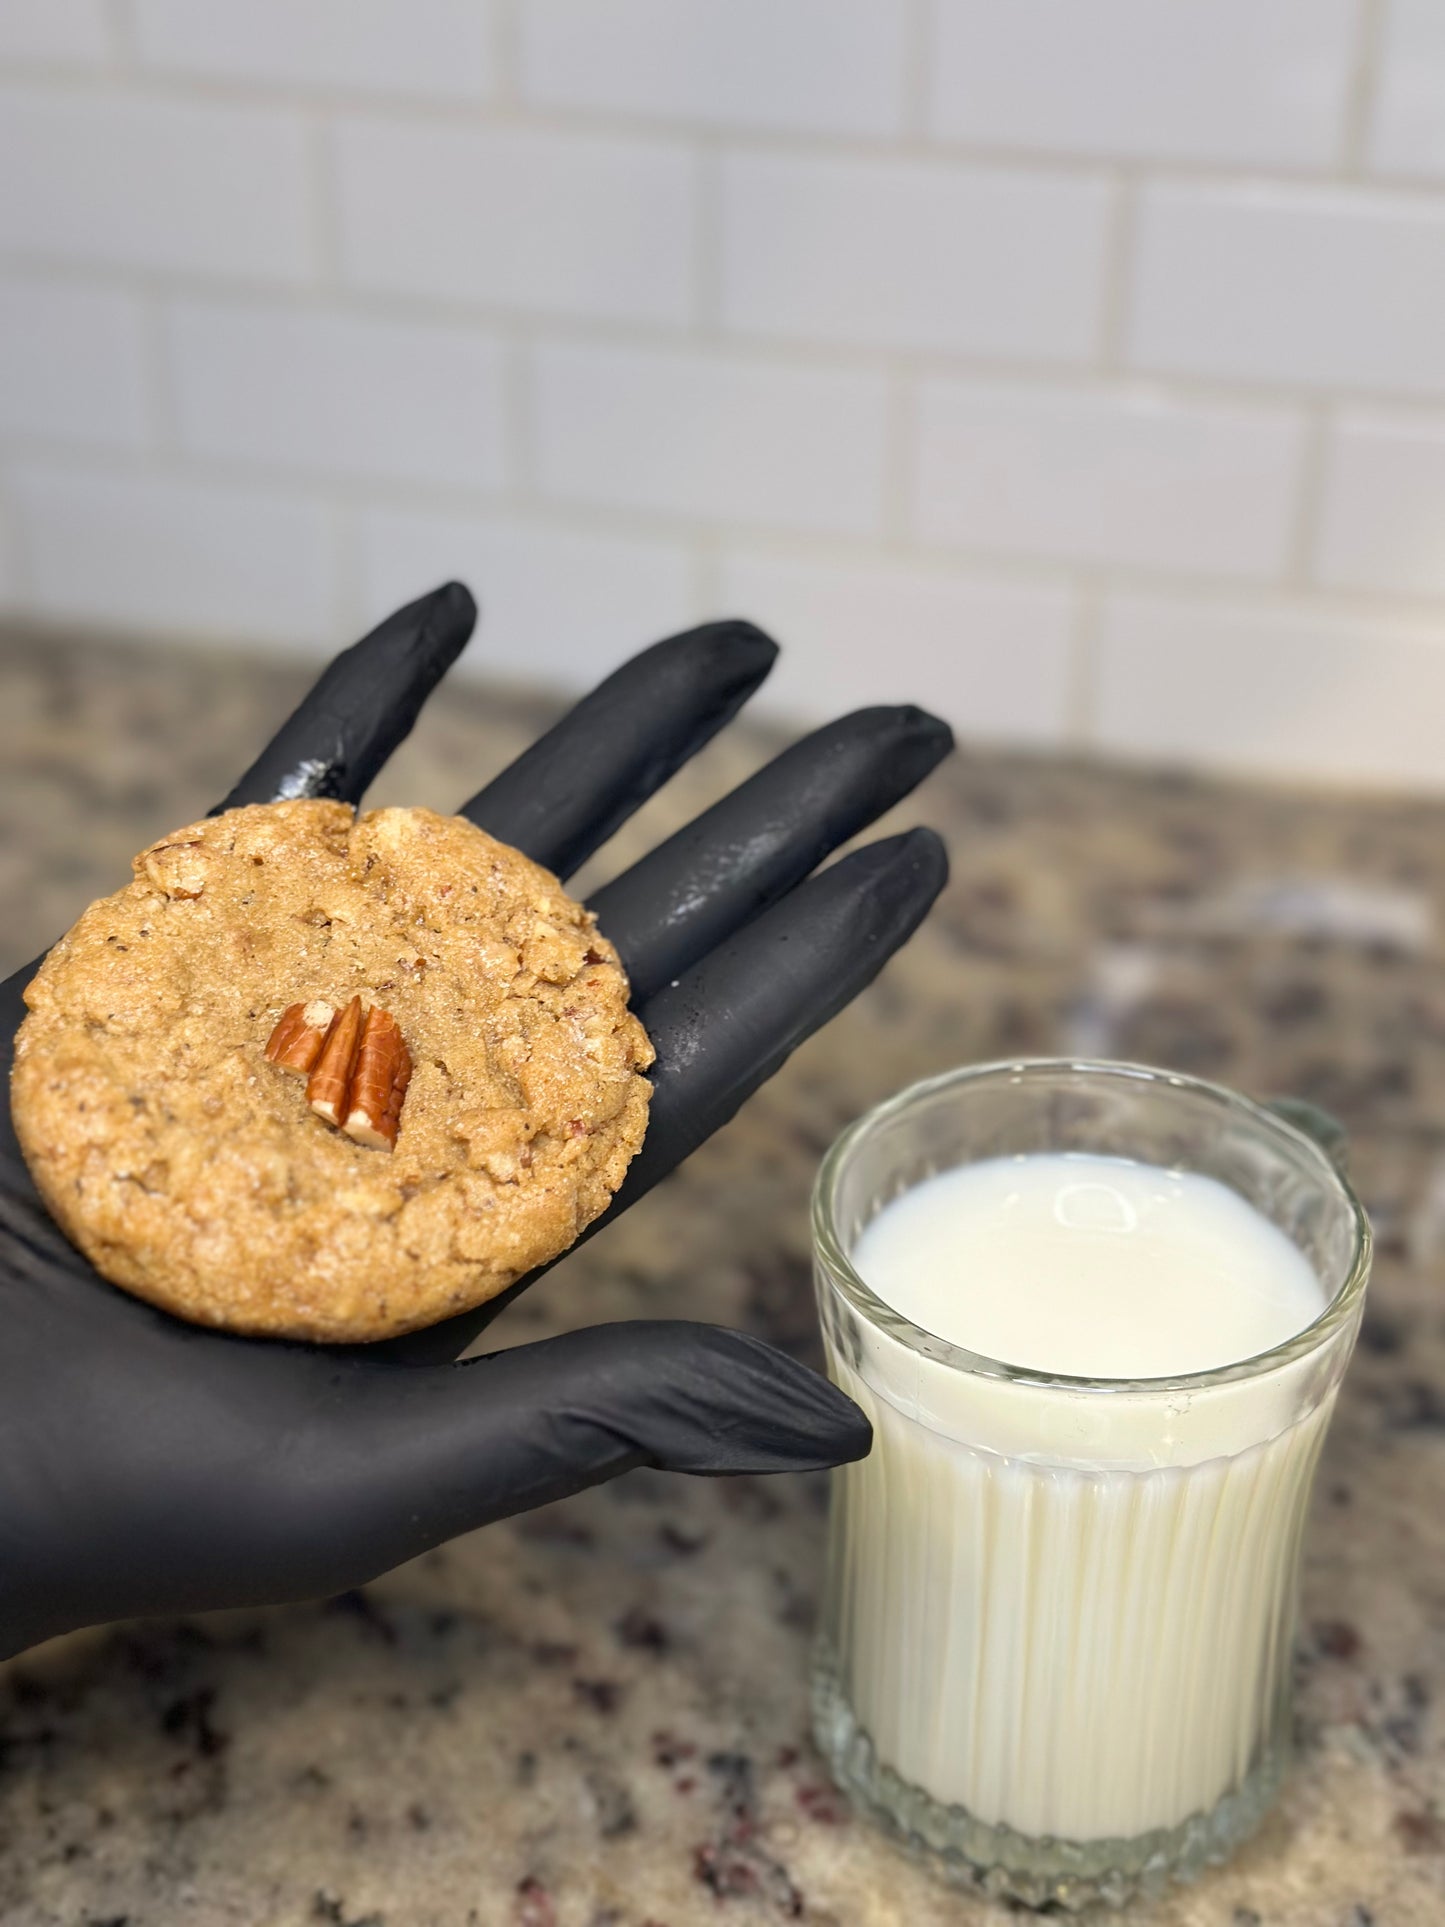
x,y
149,1466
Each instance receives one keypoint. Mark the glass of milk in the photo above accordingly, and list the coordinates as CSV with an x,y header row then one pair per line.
x,y
1098,1315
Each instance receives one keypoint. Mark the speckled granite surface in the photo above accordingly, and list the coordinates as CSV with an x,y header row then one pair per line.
x,y
595,1716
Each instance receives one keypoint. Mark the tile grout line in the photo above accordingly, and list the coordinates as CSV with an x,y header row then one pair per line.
x,y
506,39
324,224
1363,84
510,107
900,455
161,400
919,27
1081,698
1304,532
177,466
1268,394
1119,248
707,576
705,265
123,37
519,421
347,554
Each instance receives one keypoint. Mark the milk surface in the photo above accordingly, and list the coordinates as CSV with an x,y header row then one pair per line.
x,y
1069,1610
1090,1266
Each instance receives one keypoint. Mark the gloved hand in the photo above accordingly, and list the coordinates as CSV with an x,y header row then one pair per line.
x,y
148,1466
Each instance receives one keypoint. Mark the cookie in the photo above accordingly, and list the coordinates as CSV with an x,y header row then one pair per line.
x,y
193,1171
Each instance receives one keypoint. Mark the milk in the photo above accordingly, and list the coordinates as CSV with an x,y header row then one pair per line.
x,y
1097,1267
1068,1610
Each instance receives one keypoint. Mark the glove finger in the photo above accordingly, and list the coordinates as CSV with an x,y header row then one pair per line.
x,y
693,891
425,1454
363,704
725,1027
564,796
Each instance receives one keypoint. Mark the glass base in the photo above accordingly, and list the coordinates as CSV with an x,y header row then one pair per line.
x,y
1065,1874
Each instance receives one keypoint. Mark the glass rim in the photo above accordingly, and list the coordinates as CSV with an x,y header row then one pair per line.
x,y
828,1246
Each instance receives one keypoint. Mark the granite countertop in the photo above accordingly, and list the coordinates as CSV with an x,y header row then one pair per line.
x,y
596,1716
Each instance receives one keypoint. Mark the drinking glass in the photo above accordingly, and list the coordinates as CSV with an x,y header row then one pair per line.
x,y
1055,1649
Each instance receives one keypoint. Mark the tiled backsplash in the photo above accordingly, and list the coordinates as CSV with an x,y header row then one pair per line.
x,y
1076,366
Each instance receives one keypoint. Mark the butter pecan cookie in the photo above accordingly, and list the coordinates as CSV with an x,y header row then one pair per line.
x,y
326,1076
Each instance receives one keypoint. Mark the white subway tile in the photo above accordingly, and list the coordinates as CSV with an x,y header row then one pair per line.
x,y
1123,475
1247,82
62,31
558,605
991,657
1320,285
335,392
72,364
1407,128
558,222
832,66
1282,692
420,47
912,255
1382,512
705,436
131,552
204,188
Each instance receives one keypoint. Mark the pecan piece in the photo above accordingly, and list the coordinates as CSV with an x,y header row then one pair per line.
x,y
356,1064
329,1084
297,1040
379,1081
